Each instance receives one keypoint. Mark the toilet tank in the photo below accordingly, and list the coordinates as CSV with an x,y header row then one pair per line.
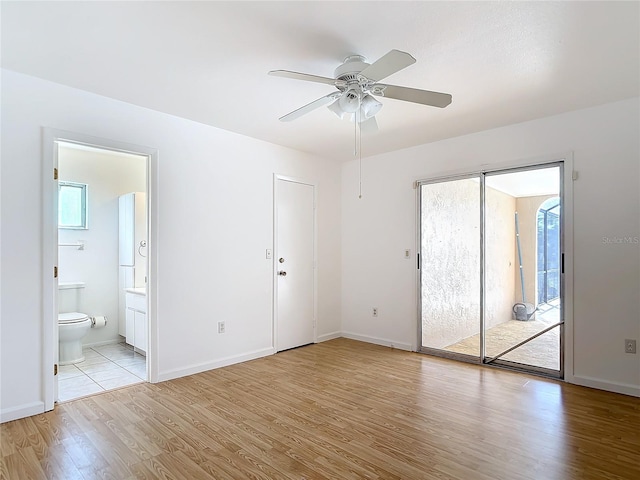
x,y
69,297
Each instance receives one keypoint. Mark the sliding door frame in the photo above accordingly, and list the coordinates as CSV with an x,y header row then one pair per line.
x,y
564,162
527,367
436,351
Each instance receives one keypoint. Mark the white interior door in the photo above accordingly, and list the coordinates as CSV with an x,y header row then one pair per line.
x,y
294,264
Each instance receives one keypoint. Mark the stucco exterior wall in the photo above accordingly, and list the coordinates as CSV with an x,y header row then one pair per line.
x,y
451,260
500,251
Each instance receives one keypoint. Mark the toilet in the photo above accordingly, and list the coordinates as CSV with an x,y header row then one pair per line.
x,y
73,326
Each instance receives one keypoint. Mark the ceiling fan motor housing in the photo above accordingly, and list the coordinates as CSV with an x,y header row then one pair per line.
x,y
350,68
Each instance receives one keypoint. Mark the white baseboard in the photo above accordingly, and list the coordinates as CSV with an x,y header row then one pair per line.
x,y
223,362
100,344
624,388
14,413
328,336
378,341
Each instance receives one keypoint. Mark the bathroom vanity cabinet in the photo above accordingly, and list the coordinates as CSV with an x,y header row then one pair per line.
x,y
136,327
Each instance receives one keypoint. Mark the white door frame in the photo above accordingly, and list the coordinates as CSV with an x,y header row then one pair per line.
x,y
276,178
50,139
566,188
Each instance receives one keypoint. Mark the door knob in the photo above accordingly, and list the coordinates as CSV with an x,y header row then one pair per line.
x,y
282,273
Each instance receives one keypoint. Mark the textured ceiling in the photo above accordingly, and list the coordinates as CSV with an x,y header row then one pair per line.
x,y
503,62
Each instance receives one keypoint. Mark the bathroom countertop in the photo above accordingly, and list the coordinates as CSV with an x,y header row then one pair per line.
x,y
70,285
136,290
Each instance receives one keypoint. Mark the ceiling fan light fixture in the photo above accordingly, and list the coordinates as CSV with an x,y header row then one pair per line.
x,y
349,101
337,109
370,107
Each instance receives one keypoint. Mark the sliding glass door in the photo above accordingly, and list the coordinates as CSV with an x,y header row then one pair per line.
x,y
450,274
491,268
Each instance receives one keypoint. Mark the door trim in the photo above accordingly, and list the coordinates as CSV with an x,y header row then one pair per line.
x,y
50,139
566,191
274,265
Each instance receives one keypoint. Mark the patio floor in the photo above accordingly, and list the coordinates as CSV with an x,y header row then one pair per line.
x,y
543,351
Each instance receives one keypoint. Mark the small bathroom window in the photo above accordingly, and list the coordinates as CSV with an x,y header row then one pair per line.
x,y
72,205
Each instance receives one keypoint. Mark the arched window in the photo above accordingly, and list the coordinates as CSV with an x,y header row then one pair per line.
x,y
548,250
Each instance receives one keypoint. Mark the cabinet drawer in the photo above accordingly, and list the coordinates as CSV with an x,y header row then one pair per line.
x,y
136,302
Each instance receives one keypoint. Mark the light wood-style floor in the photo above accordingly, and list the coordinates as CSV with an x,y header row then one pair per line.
x,y
337,410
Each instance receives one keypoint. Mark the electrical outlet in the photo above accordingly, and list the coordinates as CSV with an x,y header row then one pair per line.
x,y
374,311
630,345
220,327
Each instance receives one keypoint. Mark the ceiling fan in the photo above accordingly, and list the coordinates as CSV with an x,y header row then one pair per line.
x,y
357,84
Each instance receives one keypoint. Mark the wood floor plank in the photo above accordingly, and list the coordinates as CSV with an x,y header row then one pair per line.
x,y
341,409
24,465
57,464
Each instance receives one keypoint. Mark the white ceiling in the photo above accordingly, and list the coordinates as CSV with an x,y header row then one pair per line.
x,y
527,183
503,62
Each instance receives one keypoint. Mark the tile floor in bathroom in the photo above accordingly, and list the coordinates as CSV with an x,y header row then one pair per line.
x,y
104,368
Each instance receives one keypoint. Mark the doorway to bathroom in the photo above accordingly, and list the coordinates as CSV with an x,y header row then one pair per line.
x,y
100,251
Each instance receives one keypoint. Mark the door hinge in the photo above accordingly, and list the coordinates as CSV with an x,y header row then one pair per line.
x,y
418,257
55,272
562,263
55,173
55,369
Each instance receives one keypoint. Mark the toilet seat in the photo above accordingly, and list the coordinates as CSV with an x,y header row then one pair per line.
x,y
72,317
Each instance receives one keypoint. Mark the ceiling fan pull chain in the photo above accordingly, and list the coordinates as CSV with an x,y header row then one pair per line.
x,y
360,149
355,137
359,152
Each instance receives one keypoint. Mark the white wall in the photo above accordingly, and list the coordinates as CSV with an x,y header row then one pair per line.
x,y
605,142
215,192
108,175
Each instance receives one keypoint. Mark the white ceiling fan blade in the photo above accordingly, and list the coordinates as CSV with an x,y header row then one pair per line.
x,y
392,62
425,97
304,76
369,126
310,107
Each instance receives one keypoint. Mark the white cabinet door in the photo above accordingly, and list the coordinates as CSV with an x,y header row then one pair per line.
x,y
136,320
130,329
140,330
